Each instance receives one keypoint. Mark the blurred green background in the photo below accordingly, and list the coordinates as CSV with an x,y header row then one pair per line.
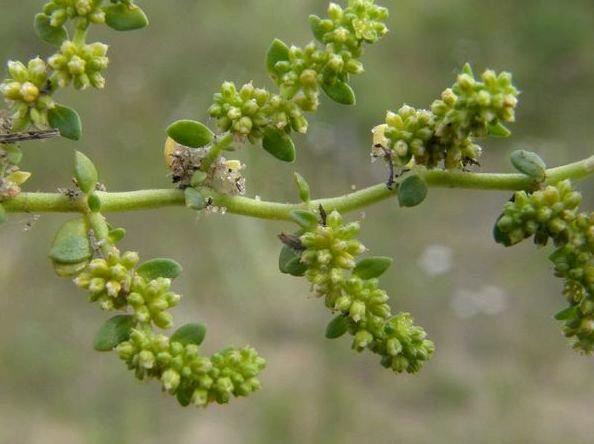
x,y
502,372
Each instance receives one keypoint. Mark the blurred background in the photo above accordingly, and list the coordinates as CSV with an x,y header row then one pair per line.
x,y
502,372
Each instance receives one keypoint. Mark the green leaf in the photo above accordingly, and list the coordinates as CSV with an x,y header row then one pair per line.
x,y
316,27
160,267
13,153
289,262
501,237
279,144
372,267
69,270
184,395
48,33
189,334
66,120
337,327
113,332
305,219
529,164
190,133
567,313
123,17
94,203
499,130
2,215
117,234
71,244
412,191
302,187
277,52
194,199
340,92
85,172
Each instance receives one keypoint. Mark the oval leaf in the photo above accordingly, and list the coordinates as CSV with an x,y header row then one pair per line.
x,y
337,327
279,144
194,199
500,236
71,245
305,219
340,92
113,332
117,234
123,17
529,164
289,262
498,130
48,33
372,267
316,28
277,52
94,203
85,173
184,395
190,133
66,120
189,334
69,270
160,267
567,313
302,187
412,191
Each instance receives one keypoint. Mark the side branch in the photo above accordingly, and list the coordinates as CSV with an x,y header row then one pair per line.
x,y
151,199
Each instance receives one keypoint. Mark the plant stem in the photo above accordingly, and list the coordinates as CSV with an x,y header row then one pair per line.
x,y
215,151
151,199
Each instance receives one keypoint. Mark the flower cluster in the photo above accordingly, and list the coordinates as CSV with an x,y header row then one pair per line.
x,y
471,108
26,91
554,213
188,375
80,64
329,251
85,11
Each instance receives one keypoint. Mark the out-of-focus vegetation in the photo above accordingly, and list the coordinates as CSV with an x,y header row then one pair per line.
x,y
502,371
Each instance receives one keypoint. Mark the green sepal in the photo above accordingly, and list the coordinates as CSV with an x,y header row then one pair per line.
x,y
277,52
302,187
316,28
529,163
340,92
85,172
13,153
66,120
567,313
289,262
2,214
71,244
500,236
184,395
122,17
305,219
113,332
499,130
189,334
279,144
69,270
372,267
160,267
194,199
467,69
116,235
94,203
337,327
190,133
48,33
412,191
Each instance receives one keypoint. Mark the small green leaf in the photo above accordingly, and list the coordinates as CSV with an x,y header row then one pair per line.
x,y
122,17
113,332
567,313
289,262
116,235
412,191
160,267
94,203
48,33
499,130
306,219
190,133
198,178
66,120
2,215
337,327
277,52
69,270
279,144
13,153
372,267
303,187
500,236
315,23
85,173
194,199
189,334
71,245
184,395
340,92
529,164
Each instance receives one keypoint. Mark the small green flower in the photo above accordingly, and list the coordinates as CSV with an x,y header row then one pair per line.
x,y
80,64
85,11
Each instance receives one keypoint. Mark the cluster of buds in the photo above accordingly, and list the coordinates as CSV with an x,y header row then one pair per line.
x,y
554,213
469,109
329,253
27,93
248,112
150,300
192,378
86,12
80,64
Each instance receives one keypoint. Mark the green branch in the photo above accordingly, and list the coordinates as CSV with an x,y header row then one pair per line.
x,y
151,199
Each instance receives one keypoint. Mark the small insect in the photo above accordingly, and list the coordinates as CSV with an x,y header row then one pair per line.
x,y
29,135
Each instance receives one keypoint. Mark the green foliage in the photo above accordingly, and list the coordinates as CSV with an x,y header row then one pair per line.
x,y
66,120
529,164
71,244
189,334
190,133
85,173
412,191
113,332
